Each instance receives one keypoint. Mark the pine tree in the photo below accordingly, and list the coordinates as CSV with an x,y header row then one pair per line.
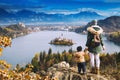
x,y
49,51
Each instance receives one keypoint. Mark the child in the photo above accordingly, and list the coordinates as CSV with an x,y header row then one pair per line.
x,y
80,59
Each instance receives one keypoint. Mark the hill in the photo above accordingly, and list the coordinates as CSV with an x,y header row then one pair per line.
x,y
114,37
14,30
109,24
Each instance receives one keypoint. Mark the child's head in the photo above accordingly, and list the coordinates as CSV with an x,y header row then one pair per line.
x,y
79,48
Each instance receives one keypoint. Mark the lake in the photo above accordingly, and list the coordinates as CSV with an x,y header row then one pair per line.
x,y
24,48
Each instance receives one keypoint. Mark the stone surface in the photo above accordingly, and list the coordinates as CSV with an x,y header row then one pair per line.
x,y
62,71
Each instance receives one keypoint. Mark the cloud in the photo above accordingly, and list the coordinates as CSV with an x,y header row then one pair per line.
x,y
89,0
97,0
64,6
57,11
67,12
5,5
113,1
107,13
114,11
110,12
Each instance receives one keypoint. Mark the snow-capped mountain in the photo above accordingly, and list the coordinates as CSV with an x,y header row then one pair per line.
x,y
32,16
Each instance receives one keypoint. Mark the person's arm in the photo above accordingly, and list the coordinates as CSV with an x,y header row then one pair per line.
x,y
86,50
75,55
101,40
88,40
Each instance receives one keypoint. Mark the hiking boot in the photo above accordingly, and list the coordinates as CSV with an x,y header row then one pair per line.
x,y
97,71
84,73
92,70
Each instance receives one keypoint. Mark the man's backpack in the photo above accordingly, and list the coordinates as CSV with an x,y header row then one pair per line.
x,y
95,41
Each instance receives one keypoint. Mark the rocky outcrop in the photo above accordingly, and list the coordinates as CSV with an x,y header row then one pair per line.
x,y
63,71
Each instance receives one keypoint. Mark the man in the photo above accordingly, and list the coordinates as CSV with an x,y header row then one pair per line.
x,y
94,45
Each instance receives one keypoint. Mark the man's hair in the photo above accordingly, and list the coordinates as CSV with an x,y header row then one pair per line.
x,y
79,48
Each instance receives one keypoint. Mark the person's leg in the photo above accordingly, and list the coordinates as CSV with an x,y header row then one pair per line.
x,y
92,63
79,67
97,60
84,67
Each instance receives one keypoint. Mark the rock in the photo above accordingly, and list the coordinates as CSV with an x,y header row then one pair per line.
x,y
51,69
43,73
62,65
63,71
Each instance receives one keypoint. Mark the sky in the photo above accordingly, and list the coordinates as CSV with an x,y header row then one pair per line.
x,y
103,7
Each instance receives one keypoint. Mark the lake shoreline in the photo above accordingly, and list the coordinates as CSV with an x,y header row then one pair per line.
x,y
25,47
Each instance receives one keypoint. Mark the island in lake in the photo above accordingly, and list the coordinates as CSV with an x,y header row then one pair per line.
x,y
62,41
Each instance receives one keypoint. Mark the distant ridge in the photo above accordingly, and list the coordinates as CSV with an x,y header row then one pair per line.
x,y
32,16
109,24
14,31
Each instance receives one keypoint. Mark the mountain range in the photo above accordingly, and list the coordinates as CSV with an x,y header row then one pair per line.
x,y
28,16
